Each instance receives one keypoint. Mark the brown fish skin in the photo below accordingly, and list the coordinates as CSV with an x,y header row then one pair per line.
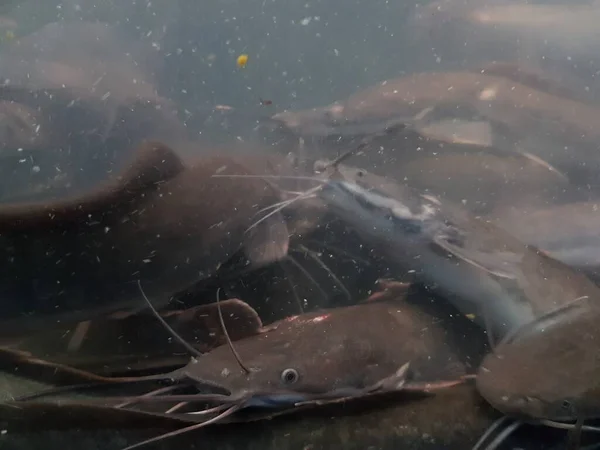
x,y
513,109
340,348
164,222
549,369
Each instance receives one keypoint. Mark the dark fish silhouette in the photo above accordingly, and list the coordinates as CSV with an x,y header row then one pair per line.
x,y
130,345
95,99
162,221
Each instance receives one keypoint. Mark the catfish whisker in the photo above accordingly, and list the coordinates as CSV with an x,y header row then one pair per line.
x,y
149,394
308,194
324,266
574,439
500,437
488,329
179,406
221,399
276,177
226,334
275,205
293,288
209,410
114,382
498,423
567,426
231,410
307,275
503,435
168,327
341,251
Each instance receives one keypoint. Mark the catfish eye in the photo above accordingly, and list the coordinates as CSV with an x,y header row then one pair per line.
x,y
566,404
289,376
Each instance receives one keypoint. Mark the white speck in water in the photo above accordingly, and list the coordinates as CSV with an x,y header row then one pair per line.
x,y
306,21
35,169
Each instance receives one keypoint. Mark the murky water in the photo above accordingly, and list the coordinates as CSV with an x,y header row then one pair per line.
x,y
258,224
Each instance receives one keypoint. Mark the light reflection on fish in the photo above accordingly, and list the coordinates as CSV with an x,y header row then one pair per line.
x,y
569,232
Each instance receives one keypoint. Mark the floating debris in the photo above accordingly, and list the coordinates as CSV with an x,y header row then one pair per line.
x,y
242,60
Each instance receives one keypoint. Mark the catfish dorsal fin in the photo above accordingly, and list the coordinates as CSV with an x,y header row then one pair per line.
x,y
152,163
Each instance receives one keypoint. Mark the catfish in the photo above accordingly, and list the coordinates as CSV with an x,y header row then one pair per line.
x,y
163,221
352,347
567,232
385,345
481,269
522,119
548,369
126,345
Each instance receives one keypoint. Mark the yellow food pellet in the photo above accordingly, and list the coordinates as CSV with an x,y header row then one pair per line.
x,y
470,316
242,60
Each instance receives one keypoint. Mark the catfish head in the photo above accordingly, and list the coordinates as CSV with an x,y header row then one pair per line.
x,y
548,369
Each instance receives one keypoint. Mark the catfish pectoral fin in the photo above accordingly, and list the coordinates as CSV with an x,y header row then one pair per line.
x,y
268,241
495,264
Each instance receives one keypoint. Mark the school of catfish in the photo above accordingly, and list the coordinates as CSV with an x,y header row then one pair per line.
x,y
407,252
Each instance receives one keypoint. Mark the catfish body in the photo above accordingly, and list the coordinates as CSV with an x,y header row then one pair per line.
x,y
162,221
480,268
519,117
343,349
